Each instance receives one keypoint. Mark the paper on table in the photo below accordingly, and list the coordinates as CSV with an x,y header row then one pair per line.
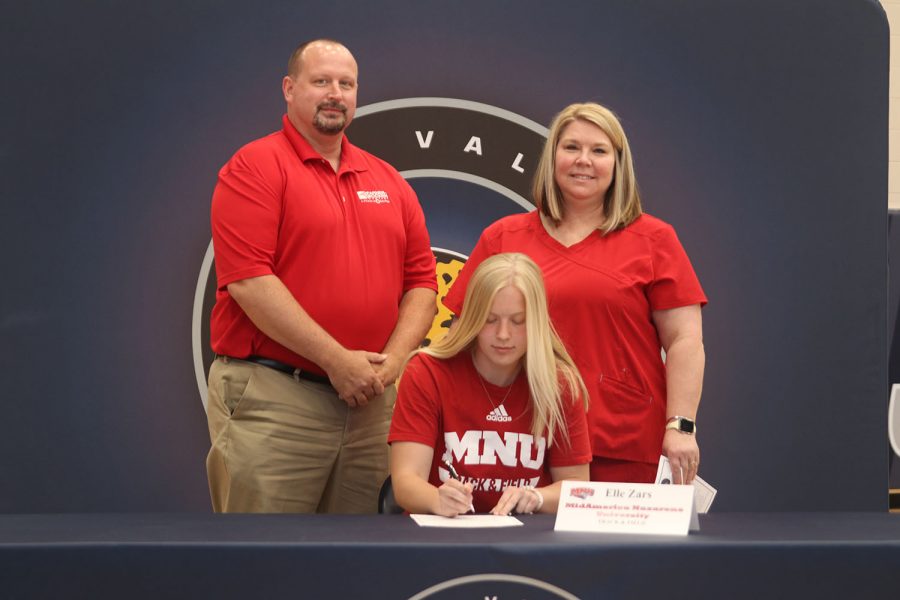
x,y
704,494
466,521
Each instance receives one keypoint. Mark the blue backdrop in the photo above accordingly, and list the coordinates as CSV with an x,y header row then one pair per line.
x,y
759,129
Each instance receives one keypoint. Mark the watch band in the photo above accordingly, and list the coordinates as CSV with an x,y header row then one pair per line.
x,y
682,424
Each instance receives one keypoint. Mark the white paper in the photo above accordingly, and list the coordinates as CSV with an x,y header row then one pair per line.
x,y
639,508
704,494
466,521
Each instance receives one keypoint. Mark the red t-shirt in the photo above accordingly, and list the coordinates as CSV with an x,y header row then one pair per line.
x,y
347,245
601,293
441,403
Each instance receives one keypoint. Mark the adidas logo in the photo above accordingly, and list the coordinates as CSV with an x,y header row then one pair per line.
x,y
499,414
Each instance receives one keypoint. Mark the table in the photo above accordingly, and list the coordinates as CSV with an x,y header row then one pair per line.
x,y
735,555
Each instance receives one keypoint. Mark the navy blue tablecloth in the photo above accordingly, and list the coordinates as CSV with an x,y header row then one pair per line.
x,y
735,555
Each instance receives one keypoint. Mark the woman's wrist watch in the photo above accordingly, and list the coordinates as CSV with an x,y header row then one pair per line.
x,y
682,424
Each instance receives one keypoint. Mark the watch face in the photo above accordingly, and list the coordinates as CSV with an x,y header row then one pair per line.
x,y
686,426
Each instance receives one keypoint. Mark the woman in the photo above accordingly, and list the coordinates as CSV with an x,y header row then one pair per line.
x,y
620,288
491,417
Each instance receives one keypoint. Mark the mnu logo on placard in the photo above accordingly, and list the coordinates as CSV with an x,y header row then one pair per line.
x,y
581,492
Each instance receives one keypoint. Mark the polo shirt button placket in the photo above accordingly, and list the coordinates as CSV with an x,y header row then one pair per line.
x,y
339,190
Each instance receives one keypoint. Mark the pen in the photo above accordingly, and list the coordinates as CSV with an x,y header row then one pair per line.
x,y
455,475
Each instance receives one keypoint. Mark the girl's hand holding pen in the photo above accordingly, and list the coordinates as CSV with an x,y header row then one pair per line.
x,y
454,498
449,494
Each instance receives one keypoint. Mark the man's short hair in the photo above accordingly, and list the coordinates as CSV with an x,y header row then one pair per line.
x,y
296,62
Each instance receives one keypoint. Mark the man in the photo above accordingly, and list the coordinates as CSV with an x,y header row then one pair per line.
x,y
326,281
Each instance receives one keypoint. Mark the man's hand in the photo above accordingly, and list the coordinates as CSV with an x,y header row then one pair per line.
x,y
388,370
354,377
417,309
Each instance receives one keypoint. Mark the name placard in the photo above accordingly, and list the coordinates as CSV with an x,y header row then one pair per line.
x,y
642,508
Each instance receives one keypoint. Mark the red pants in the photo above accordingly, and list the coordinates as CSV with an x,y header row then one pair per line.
x,y
626,471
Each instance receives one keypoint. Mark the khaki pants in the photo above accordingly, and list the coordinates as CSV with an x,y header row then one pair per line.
x,y
286,445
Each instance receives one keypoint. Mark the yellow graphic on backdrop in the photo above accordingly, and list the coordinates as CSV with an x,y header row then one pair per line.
x,y
447,270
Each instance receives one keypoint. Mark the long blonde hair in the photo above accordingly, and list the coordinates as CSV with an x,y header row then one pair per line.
x,y
622,203
547,363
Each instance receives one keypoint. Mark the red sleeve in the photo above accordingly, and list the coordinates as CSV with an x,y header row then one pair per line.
x,y
246,212
487,246
417,412
578,449
675,283
419,263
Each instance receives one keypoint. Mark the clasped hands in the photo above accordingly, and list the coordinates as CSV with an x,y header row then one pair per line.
x,y
358,375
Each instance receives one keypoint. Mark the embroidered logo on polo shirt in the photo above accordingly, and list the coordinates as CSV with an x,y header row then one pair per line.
x,y
499,414
373,197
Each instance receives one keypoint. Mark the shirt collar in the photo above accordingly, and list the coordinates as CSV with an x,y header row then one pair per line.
x,y
350,154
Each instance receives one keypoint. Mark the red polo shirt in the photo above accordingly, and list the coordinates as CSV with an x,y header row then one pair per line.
x,y
347,245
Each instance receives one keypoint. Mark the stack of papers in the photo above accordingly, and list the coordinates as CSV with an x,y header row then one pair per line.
x,y
704,494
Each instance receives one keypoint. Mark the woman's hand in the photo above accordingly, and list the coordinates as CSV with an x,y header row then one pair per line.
x,y
454,498
684,455
523,500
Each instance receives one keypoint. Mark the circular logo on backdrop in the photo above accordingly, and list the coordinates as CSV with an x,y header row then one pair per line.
x,y
469,163
494,585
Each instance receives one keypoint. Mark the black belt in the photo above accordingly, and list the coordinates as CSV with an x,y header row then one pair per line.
x,y
290,370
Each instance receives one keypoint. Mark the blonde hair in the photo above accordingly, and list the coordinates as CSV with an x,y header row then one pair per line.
x,y
547,363
622,202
